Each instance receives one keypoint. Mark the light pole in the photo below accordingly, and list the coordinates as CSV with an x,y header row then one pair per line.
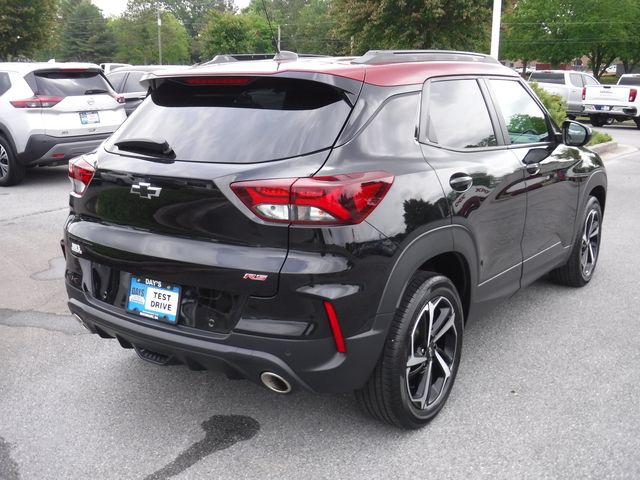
x,y
495,29
159,36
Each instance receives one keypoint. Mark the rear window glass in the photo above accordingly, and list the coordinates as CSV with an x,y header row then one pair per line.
x,y
629,81
68,84
547,77
133,83
5,83
262,120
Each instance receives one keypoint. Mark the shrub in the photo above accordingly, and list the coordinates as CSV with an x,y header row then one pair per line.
x,y
554,103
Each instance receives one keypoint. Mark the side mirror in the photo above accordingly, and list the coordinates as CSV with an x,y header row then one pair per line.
x,y
575,134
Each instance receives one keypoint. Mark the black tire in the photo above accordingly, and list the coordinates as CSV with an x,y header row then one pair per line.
x,y
578,270
637,120
393,393
11,172
596,120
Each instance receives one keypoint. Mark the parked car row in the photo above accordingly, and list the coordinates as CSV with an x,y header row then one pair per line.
x,y
585,96
51,112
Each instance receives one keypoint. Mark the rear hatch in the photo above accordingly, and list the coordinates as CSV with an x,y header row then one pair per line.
x,y
81,101
609,95
160,206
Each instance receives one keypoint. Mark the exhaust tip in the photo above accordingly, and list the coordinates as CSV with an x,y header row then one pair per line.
x,y
275,382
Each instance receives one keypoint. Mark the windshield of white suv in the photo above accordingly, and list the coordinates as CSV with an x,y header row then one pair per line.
x,y
63,83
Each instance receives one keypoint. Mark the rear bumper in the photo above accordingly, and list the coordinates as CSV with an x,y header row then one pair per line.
x,y
45,149
311,364
611,110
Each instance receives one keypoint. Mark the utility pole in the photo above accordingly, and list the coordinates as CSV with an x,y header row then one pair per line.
x,y
279,36
495,28
159,35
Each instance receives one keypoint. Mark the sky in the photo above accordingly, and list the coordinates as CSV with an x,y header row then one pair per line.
x,y
116,7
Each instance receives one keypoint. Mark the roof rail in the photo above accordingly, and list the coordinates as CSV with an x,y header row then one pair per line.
x,y
377,57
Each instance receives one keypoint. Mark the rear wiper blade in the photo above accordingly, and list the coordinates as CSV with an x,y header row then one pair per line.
x,y
145,146
95,91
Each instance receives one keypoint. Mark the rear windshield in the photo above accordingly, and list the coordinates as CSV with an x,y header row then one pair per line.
x,y
68,84
629,81
245,121
547,77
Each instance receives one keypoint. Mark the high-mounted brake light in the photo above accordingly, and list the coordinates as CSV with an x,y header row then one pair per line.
x,y
37,101
81,173
584,93
217,80
344,199
633,93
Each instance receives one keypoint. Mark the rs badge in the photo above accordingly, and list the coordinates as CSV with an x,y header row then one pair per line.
x,y
255,276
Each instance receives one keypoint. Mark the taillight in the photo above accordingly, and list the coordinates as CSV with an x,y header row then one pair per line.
x,y
584,93
333,200
633,93
80,173
118,98
37,101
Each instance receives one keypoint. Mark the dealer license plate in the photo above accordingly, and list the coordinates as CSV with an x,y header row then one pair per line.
x,y
154,299
89,117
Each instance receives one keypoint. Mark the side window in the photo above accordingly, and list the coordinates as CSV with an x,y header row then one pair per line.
x,y
115,79
589,81
457,115
576,79
5,82
525,120
133,83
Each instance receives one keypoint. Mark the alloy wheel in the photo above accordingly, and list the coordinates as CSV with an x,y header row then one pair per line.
x,y
432,353
590,243
4,162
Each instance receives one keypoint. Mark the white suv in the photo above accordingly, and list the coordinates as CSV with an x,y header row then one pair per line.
x,y
51,112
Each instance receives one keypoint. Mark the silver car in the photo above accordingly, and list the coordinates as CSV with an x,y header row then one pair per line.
x,y
51,112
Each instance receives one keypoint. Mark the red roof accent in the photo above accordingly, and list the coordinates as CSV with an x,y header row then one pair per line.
x,y
385,75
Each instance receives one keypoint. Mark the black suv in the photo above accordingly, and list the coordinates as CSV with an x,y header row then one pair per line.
x,y
328,223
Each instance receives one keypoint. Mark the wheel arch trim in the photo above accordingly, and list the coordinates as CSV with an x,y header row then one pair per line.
x,y
428,245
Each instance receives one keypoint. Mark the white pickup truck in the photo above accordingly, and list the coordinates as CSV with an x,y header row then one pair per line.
x,y
620,102
568,84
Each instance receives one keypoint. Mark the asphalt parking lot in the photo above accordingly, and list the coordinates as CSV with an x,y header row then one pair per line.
x,y
549,385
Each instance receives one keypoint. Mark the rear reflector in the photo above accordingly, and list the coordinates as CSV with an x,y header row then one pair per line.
x,y
81,173
633,93
57,155
344,199
37,101
335,327
217,80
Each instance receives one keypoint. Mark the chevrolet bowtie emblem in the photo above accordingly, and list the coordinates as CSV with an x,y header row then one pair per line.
x,y
145,190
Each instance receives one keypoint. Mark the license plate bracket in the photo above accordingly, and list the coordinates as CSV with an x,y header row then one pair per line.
x,y
154,299
87,118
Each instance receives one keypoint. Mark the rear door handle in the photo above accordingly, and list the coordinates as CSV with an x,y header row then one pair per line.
x,y
460,182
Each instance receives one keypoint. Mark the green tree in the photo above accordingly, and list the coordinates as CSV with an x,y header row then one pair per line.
x,y
191,13
25,25
84,35
448,24
136,37
230,33
558,31
306,25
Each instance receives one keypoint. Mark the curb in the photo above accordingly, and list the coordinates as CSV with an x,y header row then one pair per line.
x,y
604,147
